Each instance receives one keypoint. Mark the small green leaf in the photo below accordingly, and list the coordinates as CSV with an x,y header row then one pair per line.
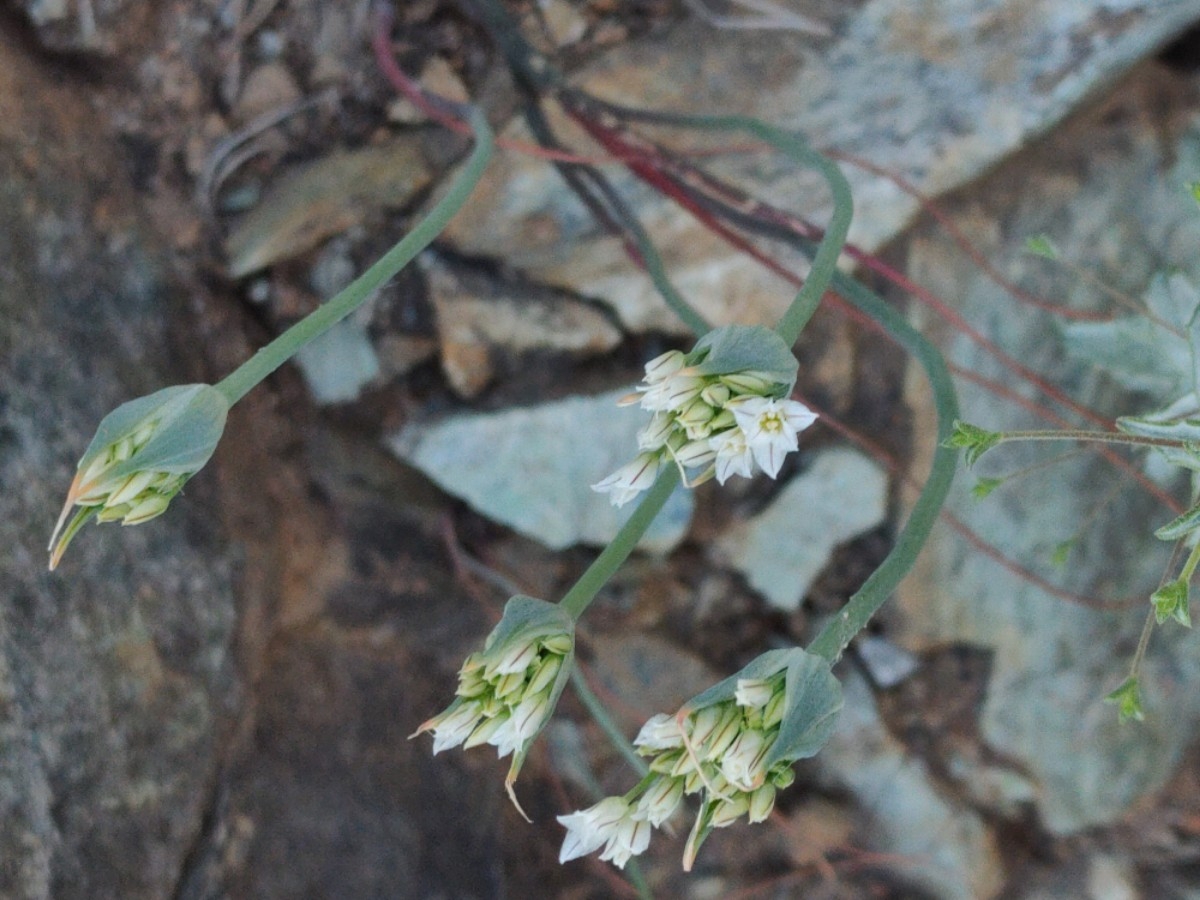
x,y
1181,527
1062,552
974,440
1128,700
1041,245
1194,187
746,348
984,487
1171,602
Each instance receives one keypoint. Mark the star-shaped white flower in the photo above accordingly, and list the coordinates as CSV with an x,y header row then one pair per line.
x,y
734,456
631,479
609,824
771,428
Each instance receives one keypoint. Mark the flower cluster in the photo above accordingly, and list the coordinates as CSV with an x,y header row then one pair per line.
x,y
507,691
505,700
143,453
721,425
719,751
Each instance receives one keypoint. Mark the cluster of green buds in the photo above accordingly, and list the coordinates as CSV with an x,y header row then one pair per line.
x,y
507,691
719,411
733,745
143,453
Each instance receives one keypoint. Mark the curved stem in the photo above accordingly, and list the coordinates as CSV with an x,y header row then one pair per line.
x,y
606,564
237,384
610,728
853,617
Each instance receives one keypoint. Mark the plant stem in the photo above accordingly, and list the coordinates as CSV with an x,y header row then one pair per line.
x,y
237,384
854,616
1101,437
606,564
610,728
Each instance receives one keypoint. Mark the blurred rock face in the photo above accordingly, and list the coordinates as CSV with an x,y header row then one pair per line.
x,y
116,676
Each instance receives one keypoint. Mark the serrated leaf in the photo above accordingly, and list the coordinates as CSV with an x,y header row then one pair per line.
x,y
1041,245
1171,602
974,440
1180,527
1128,700
984,486
746,348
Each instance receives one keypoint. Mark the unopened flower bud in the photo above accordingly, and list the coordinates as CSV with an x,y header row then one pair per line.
x,y
755,383
716,394
729,811
143,453
762,801
664,366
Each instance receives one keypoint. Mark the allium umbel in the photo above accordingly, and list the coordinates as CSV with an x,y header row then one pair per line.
x,y
715,413
143,453
507,691
733,746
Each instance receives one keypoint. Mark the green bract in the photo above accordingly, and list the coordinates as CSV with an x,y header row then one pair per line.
x,y
746,348
143,453
812,700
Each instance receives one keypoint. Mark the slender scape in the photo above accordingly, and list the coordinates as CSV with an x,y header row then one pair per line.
x,y
277,352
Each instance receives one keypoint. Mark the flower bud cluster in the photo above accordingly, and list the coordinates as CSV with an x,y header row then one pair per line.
x,y
715,425
505,698
143,453
718,751
134,498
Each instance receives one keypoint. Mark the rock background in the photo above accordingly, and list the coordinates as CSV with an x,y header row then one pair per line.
x,y
217,705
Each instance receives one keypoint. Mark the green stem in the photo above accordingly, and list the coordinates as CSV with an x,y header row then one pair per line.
x,y
606,564
597,711
1189,567
838,632
1102,437
277,352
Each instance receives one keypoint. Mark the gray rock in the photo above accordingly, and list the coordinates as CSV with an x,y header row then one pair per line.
x,y
840,496
484,325
937,93
340,363
958,854
531,468
116,672
1107,195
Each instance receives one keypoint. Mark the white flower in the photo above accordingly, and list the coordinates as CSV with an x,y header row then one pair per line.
x,y
610,823
771,428
454,726
631,479
673,393
664,366
734,456
661,732
660,800
753,692
521,725
654,436
742,762
694,454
